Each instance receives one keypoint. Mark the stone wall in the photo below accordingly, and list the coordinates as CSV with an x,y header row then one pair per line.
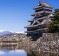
x,y
49,42
50,37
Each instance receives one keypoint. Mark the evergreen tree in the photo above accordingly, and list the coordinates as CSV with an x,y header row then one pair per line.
x,y
54,26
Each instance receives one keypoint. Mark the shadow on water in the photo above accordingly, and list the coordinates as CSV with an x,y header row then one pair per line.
x,y
47,54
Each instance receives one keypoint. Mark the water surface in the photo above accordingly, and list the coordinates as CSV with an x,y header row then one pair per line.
x,y
12,53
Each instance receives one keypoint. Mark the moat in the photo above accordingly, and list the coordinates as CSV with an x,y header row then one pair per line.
x,y
5,52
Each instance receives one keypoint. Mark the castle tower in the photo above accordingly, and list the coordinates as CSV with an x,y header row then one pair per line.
x,y
38,24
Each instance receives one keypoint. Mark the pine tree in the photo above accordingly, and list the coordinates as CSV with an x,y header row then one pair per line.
x,y
54,26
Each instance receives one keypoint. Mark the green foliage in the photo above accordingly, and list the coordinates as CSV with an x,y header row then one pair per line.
x,y
54,26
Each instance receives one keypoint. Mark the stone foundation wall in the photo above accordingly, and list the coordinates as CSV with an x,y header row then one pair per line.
x,y
50,37
49,42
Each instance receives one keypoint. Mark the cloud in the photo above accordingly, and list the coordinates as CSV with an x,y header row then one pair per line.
x,y
2,30
19,32
2,53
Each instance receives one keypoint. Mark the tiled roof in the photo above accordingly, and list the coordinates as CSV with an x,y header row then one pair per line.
x,y
45,4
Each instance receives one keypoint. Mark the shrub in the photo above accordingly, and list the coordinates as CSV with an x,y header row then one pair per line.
x,y
54,26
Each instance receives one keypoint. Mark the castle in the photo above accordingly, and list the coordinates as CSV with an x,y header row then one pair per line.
x,y
41,18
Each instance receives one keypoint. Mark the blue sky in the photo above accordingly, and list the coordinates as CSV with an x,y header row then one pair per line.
x,y
14,14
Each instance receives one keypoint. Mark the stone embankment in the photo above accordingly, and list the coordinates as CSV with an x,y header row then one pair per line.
x,y
48,43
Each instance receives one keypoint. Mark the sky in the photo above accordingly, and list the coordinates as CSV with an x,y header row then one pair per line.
x,y
14,14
